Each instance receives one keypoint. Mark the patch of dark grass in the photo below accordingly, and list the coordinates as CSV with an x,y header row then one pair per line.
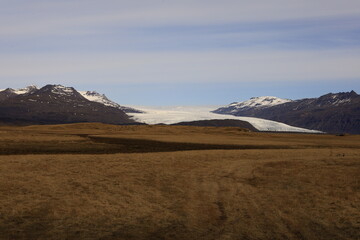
x,y
106,145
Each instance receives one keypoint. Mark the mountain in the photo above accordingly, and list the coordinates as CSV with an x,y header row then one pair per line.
x,y
254,103
9,92
92,96
55,104
333,112
101,98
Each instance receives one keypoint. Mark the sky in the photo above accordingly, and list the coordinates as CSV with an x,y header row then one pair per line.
x,y
182,52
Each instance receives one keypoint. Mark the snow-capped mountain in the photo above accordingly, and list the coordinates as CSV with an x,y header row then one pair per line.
x,y
333,112
101,98
338,112
9,92
26,90
252,103
60,90
55,104
60,104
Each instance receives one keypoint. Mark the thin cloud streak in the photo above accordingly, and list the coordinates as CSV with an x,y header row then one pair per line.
x,y
65,17
213,66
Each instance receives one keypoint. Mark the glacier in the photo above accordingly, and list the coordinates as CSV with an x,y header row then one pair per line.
x,y
176,114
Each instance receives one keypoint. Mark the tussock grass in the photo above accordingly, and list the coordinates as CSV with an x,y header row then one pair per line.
x,y
288,193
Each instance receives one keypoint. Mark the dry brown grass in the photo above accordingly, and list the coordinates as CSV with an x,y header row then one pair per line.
x,y
311,191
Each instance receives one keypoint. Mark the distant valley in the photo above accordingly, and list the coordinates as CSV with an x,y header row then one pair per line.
x,y
57,104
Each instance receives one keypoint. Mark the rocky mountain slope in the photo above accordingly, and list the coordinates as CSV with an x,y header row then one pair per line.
x,y
9,92
253,103
334,113
55,104
101,98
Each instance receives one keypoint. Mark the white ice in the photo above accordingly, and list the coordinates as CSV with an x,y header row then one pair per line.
x,y
176,114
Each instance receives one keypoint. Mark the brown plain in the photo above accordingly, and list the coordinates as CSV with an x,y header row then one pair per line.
x,y
96,181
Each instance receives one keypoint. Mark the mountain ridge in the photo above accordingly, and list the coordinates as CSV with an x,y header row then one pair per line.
x,y
332,112
93,96
55,104
254,102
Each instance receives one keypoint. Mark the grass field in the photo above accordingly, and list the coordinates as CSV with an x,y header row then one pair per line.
x,y
95,181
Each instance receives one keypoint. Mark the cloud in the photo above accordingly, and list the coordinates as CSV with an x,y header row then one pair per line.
x,y
67,17
213,66
117,41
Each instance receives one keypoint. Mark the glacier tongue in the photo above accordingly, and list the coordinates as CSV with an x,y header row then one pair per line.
x,y
171,115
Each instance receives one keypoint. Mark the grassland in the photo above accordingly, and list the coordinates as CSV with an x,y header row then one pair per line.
x,y
95,181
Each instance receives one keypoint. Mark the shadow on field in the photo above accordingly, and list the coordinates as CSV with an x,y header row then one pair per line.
x,y
129,145
109,145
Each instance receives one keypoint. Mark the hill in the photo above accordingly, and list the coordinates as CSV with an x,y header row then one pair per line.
x,y
333,112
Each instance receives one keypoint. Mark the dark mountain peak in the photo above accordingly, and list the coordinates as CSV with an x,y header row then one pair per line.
x,y
6,94
58,92
32,87
353,92
11,93
21,91
27,90
58,89
8,90
335,99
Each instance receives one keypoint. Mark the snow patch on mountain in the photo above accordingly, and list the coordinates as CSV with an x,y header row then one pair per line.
x,y
21,91
94,96
61,90
259,102
338,102
171,115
